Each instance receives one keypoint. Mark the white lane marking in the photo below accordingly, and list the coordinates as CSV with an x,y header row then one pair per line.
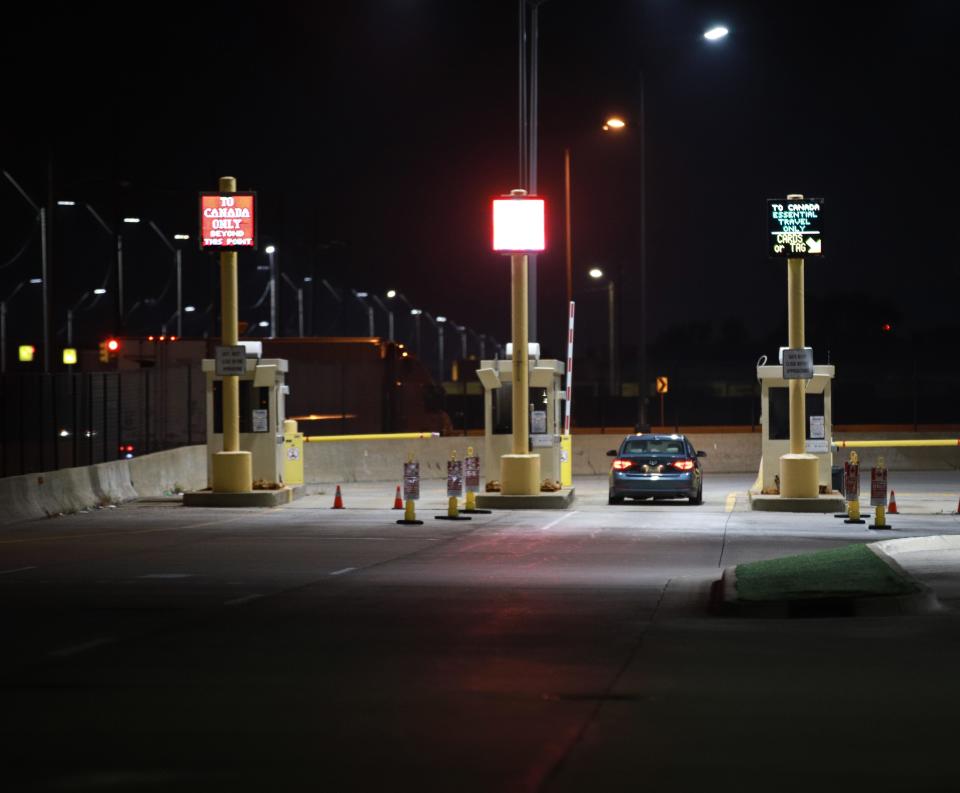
x,y
167,575
341,572
731,502
17,570
553,523
76,649
240,601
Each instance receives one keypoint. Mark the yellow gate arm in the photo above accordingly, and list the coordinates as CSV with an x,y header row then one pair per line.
x,y
867,444
391,436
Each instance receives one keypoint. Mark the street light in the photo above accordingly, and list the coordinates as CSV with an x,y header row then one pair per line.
x,y
361,298
389,314
178,264
716,33
438,324
393,294
271,251
3,320
596,273
299,291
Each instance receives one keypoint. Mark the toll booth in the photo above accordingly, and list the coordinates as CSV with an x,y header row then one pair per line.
x,y
546,398
262,405
775,422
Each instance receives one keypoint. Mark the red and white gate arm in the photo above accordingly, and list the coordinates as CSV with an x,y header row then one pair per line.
x,y
569,399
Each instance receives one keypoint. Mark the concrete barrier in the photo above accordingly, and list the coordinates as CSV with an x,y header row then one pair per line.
x,y
333,462
73,489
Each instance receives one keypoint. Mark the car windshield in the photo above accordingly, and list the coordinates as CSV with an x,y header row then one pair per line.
x,y
653,446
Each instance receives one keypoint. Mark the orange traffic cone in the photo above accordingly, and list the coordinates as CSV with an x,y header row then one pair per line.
x,y
397,501
337,500
892,509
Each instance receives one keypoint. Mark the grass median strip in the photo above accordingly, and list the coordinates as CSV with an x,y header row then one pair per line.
x,y
850,571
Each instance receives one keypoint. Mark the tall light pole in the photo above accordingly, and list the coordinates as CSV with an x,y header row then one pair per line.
x,y
362,299
438,325
3,321
178,267
596,273
299,292
44,267
389,314
271,251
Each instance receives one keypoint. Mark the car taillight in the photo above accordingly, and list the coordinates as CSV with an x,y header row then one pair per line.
x,y
621,465
683,465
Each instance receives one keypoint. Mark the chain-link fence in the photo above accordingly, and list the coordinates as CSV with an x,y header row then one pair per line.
x,y
50,421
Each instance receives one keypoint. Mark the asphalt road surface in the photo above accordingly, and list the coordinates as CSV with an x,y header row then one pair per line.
x,y
157,648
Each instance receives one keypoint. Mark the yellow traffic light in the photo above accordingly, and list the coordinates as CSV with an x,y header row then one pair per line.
x,y
27,352
69,356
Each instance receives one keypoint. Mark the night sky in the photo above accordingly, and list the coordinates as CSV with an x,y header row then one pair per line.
x,y
376,132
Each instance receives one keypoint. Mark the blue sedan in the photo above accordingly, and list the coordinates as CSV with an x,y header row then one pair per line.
x,y
656,466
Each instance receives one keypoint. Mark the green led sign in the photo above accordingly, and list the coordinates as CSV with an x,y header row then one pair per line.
x,y
794,227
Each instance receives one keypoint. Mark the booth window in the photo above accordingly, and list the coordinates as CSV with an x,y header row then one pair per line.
x,y
250,399
780,412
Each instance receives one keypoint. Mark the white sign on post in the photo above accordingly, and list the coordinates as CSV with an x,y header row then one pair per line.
x,y
797,363
411,481
817,427
260,420
231,360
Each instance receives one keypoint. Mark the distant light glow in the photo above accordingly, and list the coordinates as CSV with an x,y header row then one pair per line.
x,y
66,203
404,354
441,319
270,249
113,345
99,291
362,294
614,122
189,309
36,280
518,224
415,312
131,220
307,279
595,272
263,323
181,236
64,433
392,293
716,33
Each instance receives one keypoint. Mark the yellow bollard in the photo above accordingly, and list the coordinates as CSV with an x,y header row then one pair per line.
x,y
470,506
454,487
409,509
853,490
878,495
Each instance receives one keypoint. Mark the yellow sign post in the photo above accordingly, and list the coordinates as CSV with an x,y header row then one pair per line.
x,y
798,469
232,468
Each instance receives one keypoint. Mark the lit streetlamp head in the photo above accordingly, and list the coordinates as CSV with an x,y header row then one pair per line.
x,y
392,293
181,236
595,272
189,309
270,249
131,220
441,319
614,123
66,203
716,33
263,323
415,312
100,291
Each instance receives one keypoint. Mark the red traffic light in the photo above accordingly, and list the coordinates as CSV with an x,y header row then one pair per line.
x,y
887,327
113,345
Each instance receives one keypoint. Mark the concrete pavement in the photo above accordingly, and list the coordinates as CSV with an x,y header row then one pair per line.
x,y
157,647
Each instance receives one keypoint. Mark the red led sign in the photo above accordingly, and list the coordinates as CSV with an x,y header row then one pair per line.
x,y
228,220
518,224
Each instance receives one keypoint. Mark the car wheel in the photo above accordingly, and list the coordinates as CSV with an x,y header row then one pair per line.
x,y
612,499
698,498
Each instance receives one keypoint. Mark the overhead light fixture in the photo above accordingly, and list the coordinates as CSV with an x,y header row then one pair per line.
x,y
263,323
716,33
392,293
441,319
66,203
36,280
416,312
131,220
362,294
595,272
270,249
181,236
307,279
100,291
189,309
